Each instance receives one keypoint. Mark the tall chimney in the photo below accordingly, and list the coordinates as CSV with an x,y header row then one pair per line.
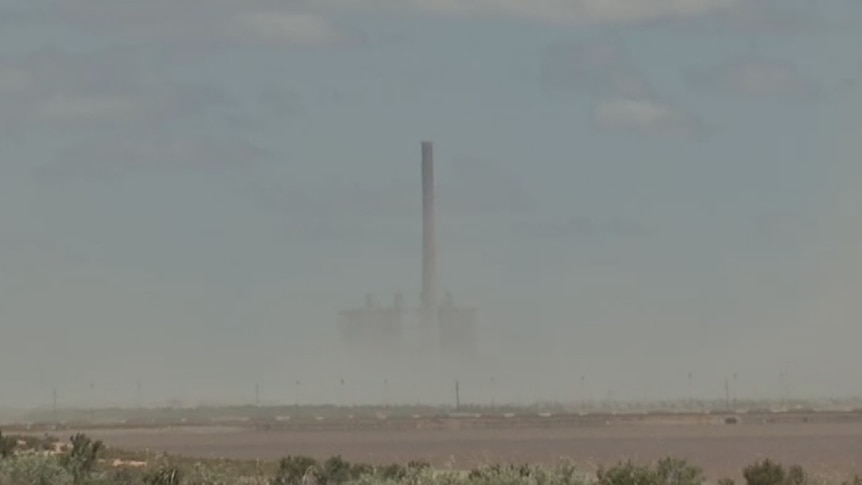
x,y
429,250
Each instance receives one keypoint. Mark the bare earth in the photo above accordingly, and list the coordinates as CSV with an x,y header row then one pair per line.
x,y
825,449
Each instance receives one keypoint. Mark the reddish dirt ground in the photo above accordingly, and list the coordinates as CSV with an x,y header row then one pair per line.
x,y
825,449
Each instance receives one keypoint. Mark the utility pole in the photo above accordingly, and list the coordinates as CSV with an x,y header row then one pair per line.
x,y
583,391
54,407
343,395
727,393
690,394
257,394
457,395
138,395
735,391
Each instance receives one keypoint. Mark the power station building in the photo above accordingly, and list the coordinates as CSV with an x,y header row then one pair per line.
x,y
373,328
381,329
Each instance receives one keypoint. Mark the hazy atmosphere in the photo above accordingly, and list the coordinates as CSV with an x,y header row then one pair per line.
x,y
629,191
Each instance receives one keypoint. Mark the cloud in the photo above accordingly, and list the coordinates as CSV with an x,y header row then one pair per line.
x,y
480,187
759,17
694,16
198,25
79,90
756,77
119,156
13,80
601,66
281,102
469,187
286,28
645,115
583,226
82,108
624,98
562,12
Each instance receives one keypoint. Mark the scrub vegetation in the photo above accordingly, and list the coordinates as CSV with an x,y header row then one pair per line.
x,y
83,461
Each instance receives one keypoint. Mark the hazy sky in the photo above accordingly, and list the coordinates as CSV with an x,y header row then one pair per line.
x,y
630,190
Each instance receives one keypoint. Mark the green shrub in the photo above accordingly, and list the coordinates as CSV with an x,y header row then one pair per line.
x,y
627,473
673,471
766,472
360,470
7,445
418,465
34,470
292,470
164,476
336,470
568,474
126,476
394,472
796,475
81,459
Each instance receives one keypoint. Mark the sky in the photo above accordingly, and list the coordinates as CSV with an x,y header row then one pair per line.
x,y
629,191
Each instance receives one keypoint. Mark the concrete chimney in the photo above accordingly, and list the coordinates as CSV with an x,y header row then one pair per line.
x,y
429,249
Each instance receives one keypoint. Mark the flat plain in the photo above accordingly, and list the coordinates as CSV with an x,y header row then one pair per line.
x,y
826,449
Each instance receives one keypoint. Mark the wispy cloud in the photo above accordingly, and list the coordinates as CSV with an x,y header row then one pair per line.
x,y
13,80
274,27
583,227
562,12
624,98
197,25
646,115
751,17
281,102
123,155
77,90
82,108
756,77
601,66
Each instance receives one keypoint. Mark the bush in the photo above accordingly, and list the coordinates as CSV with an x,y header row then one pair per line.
x,y
673,471
82,458
293,469
7,445
80,466
524,475
336,470
796,475
418,465
627,473
394,472
34,470
164,476
765,472
360,470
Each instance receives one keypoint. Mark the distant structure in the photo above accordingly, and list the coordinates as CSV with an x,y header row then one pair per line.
x,y
442,326
373,329
459,338
429,248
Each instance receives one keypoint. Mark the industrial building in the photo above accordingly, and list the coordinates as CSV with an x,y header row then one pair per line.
x,y
442,327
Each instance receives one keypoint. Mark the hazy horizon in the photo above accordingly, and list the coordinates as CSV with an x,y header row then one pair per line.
x,y
629,191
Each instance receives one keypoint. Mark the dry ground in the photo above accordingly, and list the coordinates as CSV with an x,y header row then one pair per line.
x,y
722,450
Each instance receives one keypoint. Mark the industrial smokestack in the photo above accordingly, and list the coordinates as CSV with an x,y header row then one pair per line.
x,y
429,250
